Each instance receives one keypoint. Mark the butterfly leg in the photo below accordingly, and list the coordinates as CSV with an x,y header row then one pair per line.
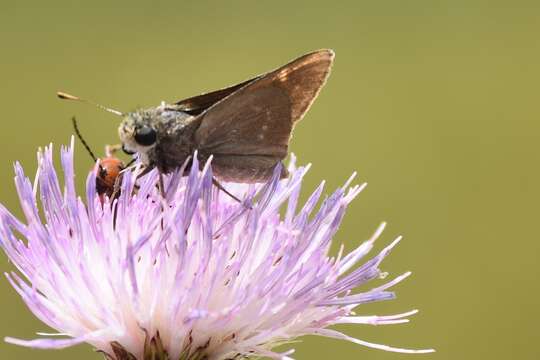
x,y
163,204
222,188
161,185
144,171
116,187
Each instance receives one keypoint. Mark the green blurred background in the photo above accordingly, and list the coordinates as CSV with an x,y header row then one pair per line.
x,y
434,103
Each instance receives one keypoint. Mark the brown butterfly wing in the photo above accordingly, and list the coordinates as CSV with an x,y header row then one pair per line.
x,y
248,132
197,104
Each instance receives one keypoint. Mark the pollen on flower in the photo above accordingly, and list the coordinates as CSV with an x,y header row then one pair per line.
x,y
194,275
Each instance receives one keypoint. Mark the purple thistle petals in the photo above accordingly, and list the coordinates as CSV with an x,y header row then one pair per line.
x,y
354,256
196,272
291,184
337,335
376,320
56,343
364,273
260,351
357,299
173,185
30,297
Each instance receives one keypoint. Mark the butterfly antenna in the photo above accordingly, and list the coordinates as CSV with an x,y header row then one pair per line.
x,y
74,121
65,96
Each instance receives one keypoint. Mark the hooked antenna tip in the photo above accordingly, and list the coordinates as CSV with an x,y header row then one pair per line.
x,y
63,95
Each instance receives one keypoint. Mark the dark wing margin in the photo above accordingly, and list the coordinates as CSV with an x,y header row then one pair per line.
x,y
197,104
248,132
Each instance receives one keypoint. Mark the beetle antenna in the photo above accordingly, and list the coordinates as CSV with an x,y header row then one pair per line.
x,y
65,96
74,121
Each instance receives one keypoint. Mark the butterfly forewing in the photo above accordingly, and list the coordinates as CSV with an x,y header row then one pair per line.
x,y
198,104
248,131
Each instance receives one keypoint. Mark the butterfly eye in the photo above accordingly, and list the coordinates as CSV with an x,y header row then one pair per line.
x,y
145,136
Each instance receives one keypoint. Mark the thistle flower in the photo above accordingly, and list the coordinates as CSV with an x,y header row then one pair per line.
x,y
194,275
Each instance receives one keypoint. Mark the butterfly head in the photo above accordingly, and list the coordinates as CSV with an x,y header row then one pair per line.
x,y
137,133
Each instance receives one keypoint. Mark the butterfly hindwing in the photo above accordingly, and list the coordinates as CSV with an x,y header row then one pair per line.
x,y
248,131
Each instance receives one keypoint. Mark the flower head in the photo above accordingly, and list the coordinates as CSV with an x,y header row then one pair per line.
x,y
194,275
